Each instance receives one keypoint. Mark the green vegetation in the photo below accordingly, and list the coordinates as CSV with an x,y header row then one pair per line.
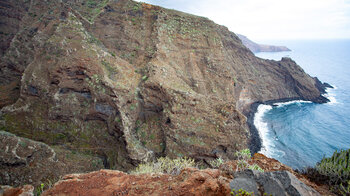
x,y
32,14
334,171
165,165
39,189
111,70
92,9
137,7
150,134
216,163
133,107
241,192
92,39
336,166
255,167
174,166
43,186
91,3
144,78
243,157
196,120
130,57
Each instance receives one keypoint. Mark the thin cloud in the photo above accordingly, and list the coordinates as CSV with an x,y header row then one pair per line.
x,y
273,19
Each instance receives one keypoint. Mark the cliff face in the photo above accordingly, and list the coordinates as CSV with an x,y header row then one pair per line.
x,y
129,81
254,47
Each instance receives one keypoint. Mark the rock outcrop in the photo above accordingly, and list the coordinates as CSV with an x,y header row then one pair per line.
x,y
128,82
191,181
26,190
24,161
254,47
274,183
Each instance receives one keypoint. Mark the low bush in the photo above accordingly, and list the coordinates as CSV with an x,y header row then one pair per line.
x,y
216,163
174,166
165,165
243,158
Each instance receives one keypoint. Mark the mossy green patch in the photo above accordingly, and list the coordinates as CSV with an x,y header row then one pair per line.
x,y
89,9
110,70
150,133
90,137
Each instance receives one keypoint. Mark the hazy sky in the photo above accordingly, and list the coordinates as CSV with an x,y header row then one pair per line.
x,y
272,19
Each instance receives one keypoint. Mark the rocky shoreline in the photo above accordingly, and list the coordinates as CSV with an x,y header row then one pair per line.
x,y
255,139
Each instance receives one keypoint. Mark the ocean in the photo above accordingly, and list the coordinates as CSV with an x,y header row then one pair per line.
x,y
300,133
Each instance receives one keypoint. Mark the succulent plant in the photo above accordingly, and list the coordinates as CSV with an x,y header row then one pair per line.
x,y
337,171
337,166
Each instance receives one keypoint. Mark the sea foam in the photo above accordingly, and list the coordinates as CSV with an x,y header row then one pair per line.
x,y
263,130
330,94
267,136
291,102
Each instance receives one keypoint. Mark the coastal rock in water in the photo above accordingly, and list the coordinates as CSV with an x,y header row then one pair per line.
x,y
129,82
275,183
254,47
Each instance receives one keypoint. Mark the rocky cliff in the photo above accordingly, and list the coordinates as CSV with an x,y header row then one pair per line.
x,y
127,82
277,179
254,47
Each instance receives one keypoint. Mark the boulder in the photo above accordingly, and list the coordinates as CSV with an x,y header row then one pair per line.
x,y
281,183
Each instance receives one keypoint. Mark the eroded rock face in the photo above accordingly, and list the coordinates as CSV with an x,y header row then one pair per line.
x,y
24,161
129,82
20,158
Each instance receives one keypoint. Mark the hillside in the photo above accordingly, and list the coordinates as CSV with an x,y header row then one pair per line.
x,y
122,82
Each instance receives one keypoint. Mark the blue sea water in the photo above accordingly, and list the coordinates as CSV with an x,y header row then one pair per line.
x,y
300,133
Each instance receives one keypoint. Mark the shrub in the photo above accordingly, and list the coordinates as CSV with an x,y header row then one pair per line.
x,y
43,186
243,154
255,167
337,166
241,192
333,171
144,78
165,165
216,163
243,157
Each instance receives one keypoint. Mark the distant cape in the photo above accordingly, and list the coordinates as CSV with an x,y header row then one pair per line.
x,y
255,47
